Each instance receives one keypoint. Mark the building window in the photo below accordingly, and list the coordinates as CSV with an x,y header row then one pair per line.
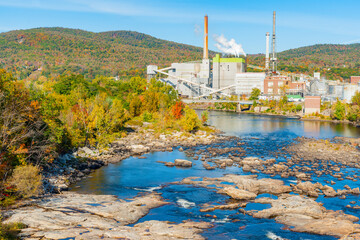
x,y
270,84
270,90
280,84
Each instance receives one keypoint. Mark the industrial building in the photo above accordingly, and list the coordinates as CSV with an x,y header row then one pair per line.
x,y
245,82
223,76
225,70
227,75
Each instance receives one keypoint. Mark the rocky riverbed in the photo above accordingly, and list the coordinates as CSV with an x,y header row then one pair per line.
x,y
300,212
73,167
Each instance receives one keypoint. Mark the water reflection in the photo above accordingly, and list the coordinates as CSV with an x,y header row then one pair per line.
x,y
248,124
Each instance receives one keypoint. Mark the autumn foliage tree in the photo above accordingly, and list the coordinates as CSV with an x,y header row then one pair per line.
x,y
178,109
23,133
190,121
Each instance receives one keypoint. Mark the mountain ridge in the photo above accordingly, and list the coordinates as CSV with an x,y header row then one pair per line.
x,y
57,50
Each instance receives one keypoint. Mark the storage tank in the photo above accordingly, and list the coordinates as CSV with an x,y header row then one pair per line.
x,y
319,87
349,91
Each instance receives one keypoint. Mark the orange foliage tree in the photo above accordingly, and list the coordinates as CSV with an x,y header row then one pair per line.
x,y
178,110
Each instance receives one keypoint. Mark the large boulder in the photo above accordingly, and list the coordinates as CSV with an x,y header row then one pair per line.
x,y
139,149
182,163
238,193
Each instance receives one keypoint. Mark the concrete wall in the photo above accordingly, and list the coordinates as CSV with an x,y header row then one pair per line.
x,y
224,74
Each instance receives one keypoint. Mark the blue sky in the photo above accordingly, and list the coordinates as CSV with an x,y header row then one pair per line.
x,y
299,23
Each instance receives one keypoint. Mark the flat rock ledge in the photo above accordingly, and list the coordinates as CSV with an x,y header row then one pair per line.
x,y
81,216
306,215
241,187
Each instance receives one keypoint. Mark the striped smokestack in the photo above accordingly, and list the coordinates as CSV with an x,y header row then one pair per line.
x,y
267,55
206,40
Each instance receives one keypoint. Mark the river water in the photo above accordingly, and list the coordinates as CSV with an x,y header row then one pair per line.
x,y
262,136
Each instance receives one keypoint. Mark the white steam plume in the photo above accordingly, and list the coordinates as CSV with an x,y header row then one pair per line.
x,y
228,47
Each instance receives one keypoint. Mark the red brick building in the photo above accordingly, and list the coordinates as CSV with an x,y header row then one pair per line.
x,y
273,84
354,79
296,86
312,104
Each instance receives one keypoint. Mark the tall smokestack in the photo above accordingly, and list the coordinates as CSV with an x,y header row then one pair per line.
x,y
267,55
273,59
206,40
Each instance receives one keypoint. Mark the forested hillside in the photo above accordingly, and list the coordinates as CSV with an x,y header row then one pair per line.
x,y
335,61
54,51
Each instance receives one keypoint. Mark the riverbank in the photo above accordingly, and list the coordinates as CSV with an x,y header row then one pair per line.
x,y
75,166
289,116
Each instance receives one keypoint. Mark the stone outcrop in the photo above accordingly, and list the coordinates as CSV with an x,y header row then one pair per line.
x,y
248,183
182,163
306,215
238,194
315,189
81,216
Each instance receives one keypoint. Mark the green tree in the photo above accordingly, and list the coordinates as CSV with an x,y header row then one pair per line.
x,y
354,113
135,106
356,98
339,110
255,93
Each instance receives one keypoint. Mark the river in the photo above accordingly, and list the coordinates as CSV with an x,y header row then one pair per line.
x,y
262,135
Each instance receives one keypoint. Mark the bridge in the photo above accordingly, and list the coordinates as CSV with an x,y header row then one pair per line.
x,y
241,102
238,103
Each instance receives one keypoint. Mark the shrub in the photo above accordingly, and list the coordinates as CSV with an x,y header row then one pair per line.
x,y
27,180
190,121
354,113
147,117
204,116
10,231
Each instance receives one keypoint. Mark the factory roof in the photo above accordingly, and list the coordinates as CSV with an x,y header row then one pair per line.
x,y
218,59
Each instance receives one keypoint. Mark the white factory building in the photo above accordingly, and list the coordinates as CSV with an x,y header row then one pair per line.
x,y
246,82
